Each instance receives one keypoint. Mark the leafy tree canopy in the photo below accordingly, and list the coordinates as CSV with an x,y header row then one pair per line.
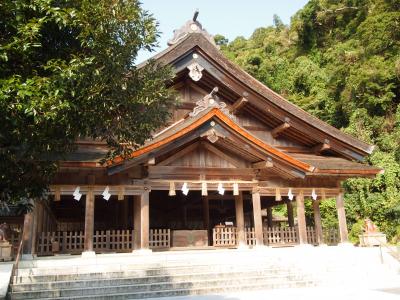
x,y
340,60
67,71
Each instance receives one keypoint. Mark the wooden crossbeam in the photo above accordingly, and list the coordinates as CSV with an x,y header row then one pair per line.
x,y
263,164
318,149
240,103
280,129
221,154
179,154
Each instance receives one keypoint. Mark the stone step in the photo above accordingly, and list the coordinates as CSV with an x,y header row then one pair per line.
x,y
162,289
126,280
194,291
84,273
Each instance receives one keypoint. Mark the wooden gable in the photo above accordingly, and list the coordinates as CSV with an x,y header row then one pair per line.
x,y
288,124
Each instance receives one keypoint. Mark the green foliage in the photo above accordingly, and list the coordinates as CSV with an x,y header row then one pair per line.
x,y
340,61
356,229
67,70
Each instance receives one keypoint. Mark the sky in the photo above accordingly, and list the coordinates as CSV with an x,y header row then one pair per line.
x,y
230,18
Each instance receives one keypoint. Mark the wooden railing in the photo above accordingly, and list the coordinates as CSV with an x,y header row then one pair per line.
x,y
280,235
224,236
331,236
250,236
312,238
113,240
71,242
159,238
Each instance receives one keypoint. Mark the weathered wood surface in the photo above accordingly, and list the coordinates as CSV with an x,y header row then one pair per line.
x,y
189,238
224,236
159,238
113,241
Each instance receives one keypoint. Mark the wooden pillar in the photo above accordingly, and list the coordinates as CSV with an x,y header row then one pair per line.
x,y
301,218
206,216
89,221
289,206
269,216
318,223
257,217
241,235
28,235
125,212
40,215
344,236
141,221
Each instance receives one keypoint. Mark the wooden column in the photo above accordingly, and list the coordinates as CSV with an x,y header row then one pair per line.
x,y
241,235
257,217
125,212
301,218
28,235
289,206
89,221
318,223
141,221
269,216
40,214
206,216
344,236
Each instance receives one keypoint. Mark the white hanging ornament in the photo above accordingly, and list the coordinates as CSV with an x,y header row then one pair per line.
x,y
290,194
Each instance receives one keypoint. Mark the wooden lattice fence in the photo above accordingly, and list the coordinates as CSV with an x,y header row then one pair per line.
x,y
280,235
63,242
113,240
250,236
224,236
159,238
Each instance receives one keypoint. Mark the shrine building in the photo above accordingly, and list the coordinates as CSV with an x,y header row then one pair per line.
x,y
232,150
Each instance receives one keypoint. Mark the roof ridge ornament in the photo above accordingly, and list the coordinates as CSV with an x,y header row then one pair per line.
x,y
191,26
210,100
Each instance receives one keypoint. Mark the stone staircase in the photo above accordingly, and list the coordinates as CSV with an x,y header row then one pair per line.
x,y
144,275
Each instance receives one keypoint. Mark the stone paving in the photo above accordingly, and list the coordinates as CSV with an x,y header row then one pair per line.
x,y
388,293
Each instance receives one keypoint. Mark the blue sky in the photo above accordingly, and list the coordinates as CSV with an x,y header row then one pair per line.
x,y
229,18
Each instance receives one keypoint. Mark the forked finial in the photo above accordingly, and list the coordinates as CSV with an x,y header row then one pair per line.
x,y
191,26
196,14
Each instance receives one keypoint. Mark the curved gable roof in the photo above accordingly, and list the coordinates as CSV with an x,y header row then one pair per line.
x,y
196,41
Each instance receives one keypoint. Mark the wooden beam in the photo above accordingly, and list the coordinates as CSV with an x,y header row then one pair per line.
x,y
301,218
178,154
221,154
280,129
344,235
240,103
263,164
89,221
241,235
318,149
318,222
151,161
161,171
256,199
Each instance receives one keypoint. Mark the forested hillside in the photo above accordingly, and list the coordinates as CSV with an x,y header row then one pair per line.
x,y
340,61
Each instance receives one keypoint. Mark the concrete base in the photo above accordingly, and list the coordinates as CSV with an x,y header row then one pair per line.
x,y
346,244
88,254
26,257
242,246
142,251
5,276
304,246
372,239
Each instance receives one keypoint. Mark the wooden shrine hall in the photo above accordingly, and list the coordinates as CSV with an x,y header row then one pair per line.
x,y
232,150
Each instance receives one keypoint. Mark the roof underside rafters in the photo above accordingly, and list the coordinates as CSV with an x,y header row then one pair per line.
x,y
275,109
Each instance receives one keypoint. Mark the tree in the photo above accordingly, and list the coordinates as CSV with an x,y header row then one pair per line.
x,y
67,70
340,61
